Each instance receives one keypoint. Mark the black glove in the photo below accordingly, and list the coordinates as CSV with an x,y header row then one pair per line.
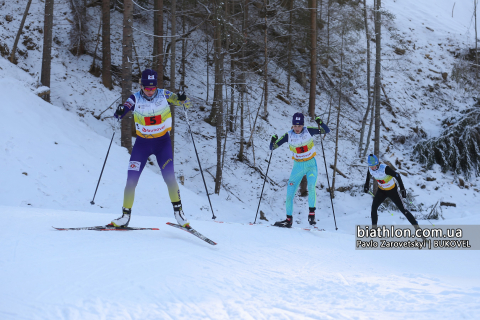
x,y
404,193
120,111
366,188
181,96
318,120
274,138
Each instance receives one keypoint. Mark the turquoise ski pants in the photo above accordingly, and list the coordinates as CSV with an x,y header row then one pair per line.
x,y
300,169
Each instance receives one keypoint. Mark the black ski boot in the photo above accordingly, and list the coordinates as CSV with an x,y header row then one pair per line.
x,y
311,217
287,223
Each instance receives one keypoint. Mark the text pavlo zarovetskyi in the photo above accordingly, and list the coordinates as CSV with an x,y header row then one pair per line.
x,y
447,237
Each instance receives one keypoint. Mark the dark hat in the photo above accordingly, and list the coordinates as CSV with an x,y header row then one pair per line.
x,y
149,78
298,119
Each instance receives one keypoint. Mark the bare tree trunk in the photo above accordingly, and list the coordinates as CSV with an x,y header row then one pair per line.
x,y
337,129
80,13
372,119
369,100
265,67
313,58
155,55
47,47
378,82
136,58
329,108
329,2
231,116
12,55
159,42
476,41
218,92
184,50
127,44
208,63
106,50
83,27
289,48
173,59
93,67
243,82
233,58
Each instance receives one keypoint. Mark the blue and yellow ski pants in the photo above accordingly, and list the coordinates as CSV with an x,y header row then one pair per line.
x,y
300,169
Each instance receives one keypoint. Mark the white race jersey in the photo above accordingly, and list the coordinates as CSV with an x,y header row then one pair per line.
x,y
385,182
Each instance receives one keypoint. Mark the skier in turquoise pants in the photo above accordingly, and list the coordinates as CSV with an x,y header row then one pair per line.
x,y
300,140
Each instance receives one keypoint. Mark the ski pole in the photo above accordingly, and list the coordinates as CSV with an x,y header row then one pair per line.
x,y
98,117
261,194
198,159
93,200
328,181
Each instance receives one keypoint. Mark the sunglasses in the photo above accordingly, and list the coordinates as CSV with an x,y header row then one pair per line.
x,y
149,89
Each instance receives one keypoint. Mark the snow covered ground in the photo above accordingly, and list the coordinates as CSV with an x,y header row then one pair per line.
x,y
255,272
52,157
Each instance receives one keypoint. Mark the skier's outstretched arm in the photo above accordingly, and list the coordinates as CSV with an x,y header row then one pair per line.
x,y
128,106
275,142
322,130
178,99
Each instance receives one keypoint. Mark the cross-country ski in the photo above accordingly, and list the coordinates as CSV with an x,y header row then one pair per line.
x,y
194,232
105,228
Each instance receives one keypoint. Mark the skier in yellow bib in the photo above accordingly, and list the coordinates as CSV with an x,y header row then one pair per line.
x,y
387,188
300,140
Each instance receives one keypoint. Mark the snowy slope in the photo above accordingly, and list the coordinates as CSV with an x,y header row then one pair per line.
x,y
254,272
54,161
